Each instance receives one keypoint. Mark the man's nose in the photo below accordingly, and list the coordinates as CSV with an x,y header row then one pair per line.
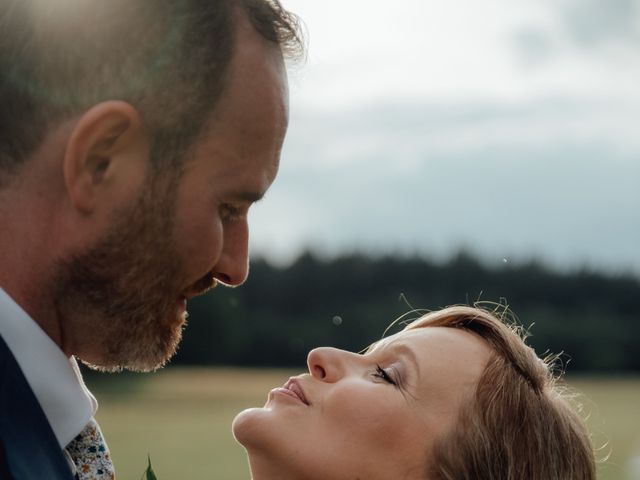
x,y
233,265
328,364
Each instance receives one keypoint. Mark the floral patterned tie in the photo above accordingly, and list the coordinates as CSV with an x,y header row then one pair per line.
x,y
90,454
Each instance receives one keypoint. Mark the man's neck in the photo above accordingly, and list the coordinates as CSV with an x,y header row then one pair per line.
x,y
27,249
36,302
35,233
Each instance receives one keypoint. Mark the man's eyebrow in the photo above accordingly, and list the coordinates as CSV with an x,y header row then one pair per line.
x,y
247,196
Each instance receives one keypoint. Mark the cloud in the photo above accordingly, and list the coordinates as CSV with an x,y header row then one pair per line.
x,y
533,46
591,27
590,23
506,127
544,179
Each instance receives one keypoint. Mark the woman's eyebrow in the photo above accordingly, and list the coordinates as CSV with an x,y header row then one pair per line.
x,y
408,353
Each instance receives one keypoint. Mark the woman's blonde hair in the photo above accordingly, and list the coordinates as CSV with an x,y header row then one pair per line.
x,y
520,424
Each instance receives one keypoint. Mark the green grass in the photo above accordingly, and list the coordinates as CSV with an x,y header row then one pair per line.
x,y
613,409
182,418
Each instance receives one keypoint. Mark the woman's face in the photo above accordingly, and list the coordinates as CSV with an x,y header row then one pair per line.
x,y
371,416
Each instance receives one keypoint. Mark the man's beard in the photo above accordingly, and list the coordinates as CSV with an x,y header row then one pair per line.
x,y
121,297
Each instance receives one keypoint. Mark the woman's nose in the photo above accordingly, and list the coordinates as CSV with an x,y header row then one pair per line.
x,y
327,364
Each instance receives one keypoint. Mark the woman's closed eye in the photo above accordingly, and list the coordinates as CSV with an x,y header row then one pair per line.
x,y
384,375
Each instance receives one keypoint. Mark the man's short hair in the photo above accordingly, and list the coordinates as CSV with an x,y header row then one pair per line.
x,y
168,58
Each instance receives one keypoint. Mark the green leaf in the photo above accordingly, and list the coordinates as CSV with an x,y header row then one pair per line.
x,y
149,473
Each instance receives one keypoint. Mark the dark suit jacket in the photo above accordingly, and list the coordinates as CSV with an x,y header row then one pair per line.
x,y
28,447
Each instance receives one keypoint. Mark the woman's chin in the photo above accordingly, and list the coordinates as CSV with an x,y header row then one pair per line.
x,y
246,425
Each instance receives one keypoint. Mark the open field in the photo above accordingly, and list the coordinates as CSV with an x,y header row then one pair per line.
x,y
182,418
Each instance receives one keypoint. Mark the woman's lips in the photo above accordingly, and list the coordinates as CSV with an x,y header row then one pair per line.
x,y
293,389
294,386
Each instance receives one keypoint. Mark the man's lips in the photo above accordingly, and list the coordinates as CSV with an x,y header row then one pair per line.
x,y
294,389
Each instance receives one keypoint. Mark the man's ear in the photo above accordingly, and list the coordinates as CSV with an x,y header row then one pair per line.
x,y
106,147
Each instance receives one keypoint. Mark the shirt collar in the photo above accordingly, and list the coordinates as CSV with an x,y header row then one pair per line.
x,y
55,380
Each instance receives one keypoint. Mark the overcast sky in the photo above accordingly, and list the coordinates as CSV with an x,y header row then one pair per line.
x,y
510,128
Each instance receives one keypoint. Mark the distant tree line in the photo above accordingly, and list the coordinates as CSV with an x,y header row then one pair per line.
x,y
348,302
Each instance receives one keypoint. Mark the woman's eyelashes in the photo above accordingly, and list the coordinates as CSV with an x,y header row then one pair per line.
x,y
387,376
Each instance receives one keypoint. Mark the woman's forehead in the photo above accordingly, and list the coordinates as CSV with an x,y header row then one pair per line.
x,y
404,336
436,344
392,341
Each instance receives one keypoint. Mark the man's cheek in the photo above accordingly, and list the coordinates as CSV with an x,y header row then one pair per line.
x,y
200,248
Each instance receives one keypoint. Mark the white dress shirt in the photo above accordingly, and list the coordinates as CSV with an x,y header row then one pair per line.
x,y
54,379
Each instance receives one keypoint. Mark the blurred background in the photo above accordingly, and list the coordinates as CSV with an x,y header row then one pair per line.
x,y
438,153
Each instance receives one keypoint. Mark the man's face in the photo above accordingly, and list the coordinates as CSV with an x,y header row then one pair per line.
x,y
124,299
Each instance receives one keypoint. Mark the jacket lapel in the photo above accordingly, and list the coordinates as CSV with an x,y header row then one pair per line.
x,y
29,448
